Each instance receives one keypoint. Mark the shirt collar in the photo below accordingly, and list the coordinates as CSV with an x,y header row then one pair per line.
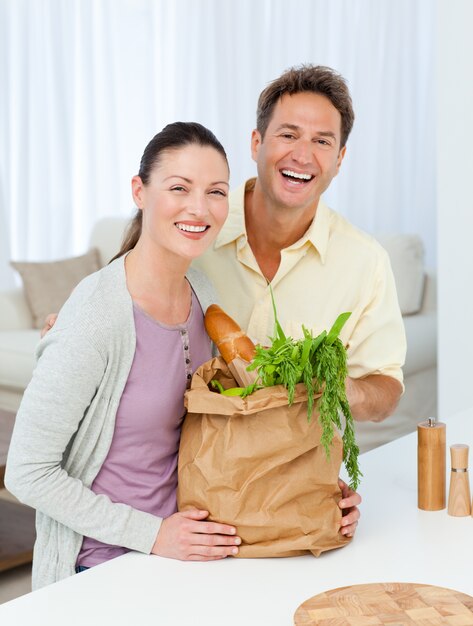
x,y
234,226
317,234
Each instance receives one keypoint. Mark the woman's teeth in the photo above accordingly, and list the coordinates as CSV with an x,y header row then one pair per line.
x,y
191,229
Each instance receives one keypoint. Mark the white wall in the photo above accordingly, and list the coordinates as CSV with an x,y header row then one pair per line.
x,y
86,83
455,204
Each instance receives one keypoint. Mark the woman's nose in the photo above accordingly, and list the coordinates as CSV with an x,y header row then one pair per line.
x,y
198,205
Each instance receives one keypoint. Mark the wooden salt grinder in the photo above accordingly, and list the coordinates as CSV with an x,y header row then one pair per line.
x,y
431,465
459,495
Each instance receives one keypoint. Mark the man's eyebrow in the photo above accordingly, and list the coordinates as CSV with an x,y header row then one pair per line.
x,y
320,133
188,180
291,126
327,133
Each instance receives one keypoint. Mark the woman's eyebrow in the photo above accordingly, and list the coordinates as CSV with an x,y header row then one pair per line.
x,y
188,180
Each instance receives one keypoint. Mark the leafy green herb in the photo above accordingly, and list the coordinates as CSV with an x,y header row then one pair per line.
x,y
321,364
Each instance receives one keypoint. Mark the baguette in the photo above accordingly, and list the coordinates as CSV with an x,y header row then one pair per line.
x,y
229,338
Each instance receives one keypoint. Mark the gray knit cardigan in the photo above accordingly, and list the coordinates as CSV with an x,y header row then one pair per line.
x,y
65,424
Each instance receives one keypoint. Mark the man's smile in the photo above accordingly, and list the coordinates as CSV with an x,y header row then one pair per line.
x,y
299,175
296,178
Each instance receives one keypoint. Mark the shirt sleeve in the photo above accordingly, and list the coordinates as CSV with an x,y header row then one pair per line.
x,y
377,344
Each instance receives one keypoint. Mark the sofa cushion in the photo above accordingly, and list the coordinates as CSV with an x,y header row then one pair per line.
x,y
17,357
47,285
107,236
406,253
421,336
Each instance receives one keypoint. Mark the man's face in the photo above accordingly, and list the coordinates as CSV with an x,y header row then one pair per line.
x,y
300,153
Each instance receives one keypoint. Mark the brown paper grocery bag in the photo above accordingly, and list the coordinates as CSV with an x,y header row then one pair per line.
x,y
258,464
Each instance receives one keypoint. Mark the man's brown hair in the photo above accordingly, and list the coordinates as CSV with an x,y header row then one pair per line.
x,y
312,78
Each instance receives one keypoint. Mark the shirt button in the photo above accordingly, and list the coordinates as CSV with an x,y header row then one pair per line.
x,y
188,361
186,347
189,376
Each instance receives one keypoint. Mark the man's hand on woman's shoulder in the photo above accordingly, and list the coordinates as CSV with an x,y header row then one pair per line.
x,y
48,323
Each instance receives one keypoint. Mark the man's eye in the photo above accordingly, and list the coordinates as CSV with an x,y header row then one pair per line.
x,y
287,136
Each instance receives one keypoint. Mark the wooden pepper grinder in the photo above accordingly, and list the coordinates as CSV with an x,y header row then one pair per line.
x,y
431,465
459,495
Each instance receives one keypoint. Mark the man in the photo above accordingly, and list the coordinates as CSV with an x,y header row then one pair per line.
x,y
280,232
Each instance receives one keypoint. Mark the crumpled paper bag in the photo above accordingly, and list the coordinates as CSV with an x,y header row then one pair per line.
x,y
258,464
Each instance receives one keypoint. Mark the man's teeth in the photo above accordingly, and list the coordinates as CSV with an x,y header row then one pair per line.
x,y
297,175
191,229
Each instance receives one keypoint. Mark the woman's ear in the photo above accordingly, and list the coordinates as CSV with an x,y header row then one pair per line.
x,y
137,191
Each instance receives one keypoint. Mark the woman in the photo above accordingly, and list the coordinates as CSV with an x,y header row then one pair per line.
x,y
95,443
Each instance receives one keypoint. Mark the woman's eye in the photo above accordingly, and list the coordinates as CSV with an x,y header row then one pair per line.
x,y
178,188
219,192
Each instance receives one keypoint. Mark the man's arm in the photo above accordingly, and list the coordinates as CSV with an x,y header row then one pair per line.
x,y
373,398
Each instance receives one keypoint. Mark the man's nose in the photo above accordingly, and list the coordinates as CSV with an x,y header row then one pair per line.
x,y
302,152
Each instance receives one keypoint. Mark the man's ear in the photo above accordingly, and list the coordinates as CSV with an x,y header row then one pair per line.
x,y
137,191
256,142
341,155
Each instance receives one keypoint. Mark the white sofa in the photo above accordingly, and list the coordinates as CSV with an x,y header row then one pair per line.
x,y
18,339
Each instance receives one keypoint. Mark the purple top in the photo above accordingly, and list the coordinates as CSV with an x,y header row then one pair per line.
x,y
141,465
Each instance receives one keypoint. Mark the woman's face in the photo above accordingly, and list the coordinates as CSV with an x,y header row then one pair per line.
x,y
185,201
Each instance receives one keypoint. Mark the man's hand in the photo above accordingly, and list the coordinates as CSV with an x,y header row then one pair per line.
x,y
187,537
350,512
372,398
48,323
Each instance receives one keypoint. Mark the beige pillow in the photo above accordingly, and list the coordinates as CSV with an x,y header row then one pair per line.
x,y
47,285
406,253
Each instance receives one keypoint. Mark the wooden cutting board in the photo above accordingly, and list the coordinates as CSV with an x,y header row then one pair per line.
x,y
397,604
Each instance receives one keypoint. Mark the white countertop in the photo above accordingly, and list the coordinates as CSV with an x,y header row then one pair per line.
x,y
395,542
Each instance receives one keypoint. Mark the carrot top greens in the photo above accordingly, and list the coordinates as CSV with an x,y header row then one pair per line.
x,y
321,364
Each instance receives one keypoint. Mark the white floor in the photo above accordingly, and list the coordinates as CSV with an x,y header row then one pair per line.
x,y
17,581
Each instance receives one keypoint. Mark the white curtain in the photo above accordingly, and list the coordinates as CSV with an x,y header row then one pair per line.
x,y
86,83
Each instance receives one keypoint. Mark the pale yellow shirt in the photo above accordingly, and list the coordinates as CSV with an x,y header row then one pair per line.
x,y
333,268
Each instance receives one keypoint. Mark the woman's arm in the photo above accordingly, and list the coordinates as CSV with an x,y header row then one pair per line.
x,y
65,392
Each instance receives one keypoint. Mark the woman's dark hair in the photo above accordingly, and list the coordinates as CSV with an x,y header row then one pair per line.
x,y
172,137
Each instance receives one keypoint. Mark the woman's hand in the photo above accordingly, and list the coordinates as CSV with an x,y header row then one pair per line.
x,y
187,537
350,512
